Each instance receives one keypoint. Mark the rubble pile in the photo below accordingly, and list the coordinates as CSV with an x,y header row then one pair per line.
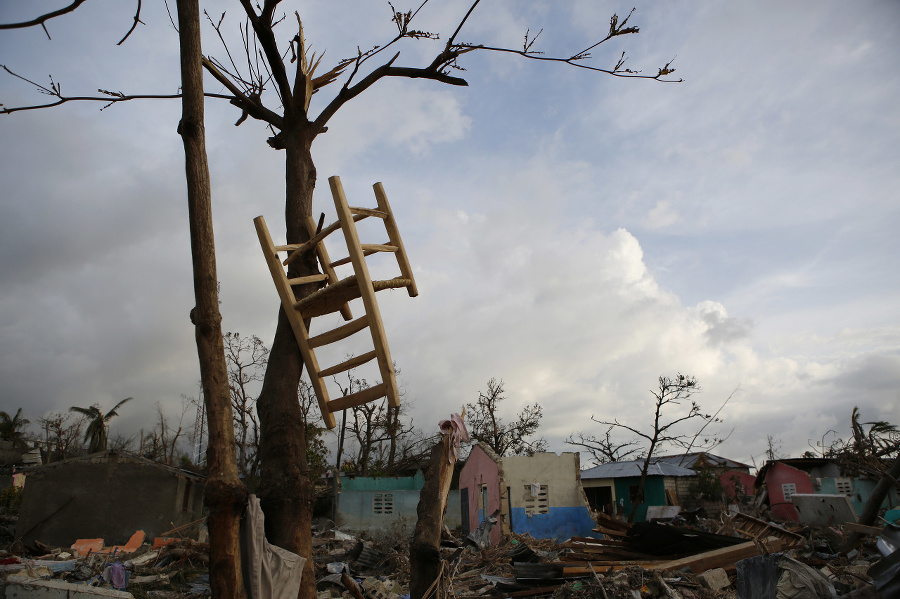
x,y
738,557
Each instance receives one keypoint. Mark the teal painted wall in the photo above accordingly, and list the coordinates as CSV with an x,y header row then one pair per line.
x,y
862,490
383,483
654,494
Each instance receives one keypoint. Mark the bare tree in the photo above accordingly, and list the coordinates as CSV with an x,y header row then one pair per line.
x,y
62,435
246,358
604,449
505,438
286,491
671,393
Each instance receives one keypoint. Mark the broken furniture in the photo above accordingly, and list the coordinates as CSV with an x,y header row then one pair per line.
x,y
336,294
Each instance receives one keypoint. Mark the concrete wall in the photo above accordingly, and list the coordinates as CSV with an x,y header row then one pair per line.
x,y
363,503
737,484
481,478
560,510
108,496
777,476
861,490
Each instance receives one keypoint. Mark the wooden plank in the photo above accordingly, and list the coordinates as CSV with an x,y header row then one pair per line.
x,y
394,234
305,280
367,212
861,528
376,326
671,499
357,399
341,332
718,558
324,261
378,247
351,363
286,294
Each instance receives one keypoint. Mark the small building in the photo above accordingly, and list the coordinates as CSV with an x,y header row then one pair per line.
x,y
540,495
734,477
612,487
380,503
107,495
823,476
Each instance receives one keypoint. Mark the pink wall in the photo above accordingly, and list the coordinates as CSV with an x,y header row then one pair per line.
x,y
480,470
779,474
746,481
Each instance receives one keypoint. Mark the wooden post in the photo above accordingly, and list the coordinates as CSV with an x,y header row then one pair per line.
x,y
424,551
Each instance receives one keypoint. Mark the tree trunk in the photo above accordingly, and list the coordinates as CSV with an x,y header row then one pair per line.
x,y
225,495
873,504
424,551
286,491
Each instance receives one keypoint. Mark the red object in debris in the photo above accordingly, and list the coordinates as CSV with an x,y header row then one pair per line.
x,y
84,546
133,543
162,542
9,560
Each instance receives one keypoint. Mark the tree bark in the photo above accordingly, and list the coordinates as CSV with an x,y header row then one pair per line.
x,y
424,551
873,504
225,494
286,491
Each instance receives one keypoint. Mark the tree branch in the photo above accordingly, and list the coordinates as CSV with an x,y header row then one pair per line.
x,y
262,26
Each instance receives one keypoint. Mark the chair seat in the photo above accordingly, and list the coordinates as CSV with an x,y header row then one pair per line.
x,y
332,298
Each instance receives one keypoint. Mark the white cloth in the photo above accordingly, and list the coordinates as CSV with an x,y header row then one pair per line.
x,y
270,572
456,428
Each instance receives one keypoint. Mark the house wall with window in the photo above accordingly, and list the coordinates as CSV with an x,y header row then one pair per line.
x,y
782,481
544,497
368,503
479,491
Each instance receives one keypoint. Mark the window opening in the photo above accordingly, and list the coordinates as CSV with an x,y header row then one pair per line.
x,y
383,504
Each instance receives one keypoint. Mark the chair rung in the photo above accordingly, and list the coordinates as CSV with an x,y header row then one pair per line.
x,y
309,279
341,332
367,212
368,249
351,363
357,399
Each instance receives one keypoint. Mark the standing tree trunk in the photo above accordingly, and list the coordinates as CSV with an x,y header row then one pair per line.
x,y
424,551
286,491
225,494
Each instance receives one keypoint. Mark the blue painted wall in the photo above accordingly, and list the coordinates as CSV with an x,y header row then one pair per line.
x,y
560,523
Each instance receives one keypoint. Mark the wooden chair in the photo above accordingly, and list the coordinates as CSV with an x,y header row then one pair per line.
x,y
336,294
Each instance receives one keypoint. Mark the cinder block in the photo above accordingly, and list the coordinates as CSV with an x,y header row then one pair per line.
x,y
716,579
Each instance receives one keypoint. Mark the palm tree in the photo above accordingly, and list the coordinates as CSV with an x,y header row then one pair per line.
x,y
10,428
96,434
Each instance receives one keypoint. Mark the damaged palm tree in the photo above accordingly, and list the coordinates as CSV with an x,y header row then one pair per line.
x,y
424,551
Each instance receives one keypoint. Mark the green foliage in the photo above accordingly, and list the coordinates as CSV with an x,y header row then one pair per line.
x,y
11,499
11,428
708,484
316,451
96,435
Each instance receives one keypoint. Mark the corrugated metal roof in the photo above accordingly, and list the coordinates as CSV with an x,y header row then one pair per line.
x,y
690,460
633,468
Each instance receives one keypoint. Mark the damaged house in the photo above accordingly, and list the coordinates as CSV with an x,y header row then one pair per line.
x,y
107,495
367,503
783,478
612,487
540,495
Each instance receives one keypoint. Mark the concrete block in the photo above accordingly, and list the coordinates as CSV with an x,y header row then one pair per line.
x,y
823,510
57,589
716,579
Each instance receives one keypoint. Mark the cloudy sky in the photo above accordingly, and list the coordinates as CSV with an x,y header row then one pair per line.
x,y
573,234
